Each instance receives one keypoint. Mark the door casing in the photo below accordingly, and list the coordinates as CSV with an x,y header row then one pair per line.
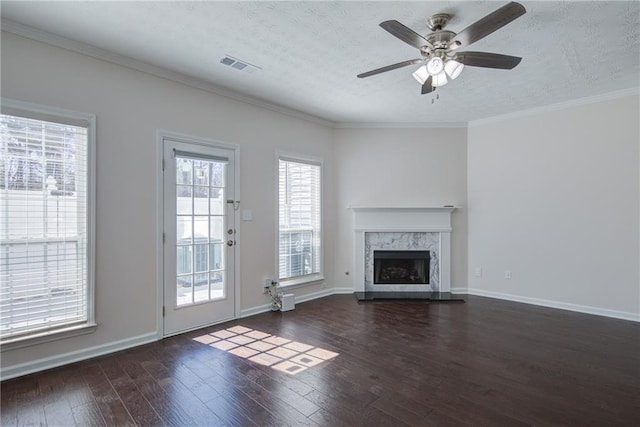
x,y
207,142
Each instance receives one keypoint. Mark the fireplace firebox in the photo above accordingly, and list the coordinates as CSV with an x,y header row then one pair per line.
x,y
401,267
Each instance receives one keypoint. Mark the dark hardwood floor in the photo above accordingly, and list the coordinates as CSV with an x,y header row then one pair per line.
x,y
483,363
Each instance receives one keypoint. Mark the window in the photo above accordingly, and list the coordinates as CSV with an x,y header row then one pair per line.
x,y
300,238
45,226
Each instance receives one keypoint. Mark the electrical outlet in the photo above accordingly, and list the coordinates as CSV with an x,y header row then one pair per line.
x,y
478,272
507,274
266,285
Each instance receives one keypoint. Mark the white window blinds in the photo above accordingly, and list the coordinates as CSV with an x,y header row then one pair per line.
x,y
44,229
299,206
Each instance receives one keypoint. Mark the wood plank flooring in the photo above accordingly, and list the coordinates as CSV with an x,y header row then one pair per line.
x,y
483,363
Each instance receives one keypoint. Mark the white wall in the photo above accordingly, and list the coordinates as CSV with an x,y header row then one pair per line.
x,y
554,197
130,107
400,167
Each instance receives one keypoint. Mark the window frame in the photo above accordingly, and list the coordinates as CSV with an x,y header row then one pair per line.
x,y
312,278
74,118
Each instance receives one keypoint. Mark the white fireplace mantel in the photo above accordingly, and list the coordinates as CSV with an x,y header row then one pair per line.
x,y
375,219
429,219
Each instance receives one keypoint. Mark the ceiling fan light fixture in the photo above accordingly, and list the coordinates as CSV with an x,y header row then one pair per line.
x,y
438,63
435,66
439,79
453,68
421,74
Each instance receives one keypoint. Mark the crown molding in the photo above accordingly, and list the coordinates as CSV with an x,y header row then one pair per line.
x,y
400,125
134,64
624,93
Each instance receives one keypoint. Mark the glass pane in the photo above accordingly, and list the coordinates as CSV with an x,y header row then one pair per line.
x,y
201,229
43,280
183,259
184,230
183,200
201,287
217,201
201,172
217,229
184,171
299,218
217,285
216,256
184,290
201,200
217,174
201,258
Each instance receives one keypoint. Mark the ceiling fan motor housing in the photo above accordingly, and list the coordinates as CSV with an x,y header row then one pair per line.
x,y
438,21
440,39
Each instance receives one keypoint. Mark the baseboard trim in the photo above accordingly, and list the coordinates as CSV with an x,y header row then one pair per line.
x,y
342,291
624,315
314,295
255,310
75,356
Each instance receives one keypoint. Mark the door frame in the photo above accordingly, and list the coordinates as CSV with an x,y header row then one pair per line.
x,y
207,142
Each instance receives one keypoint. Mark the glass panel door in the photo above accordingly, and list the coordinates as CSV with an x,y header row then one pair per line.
x,y
199,236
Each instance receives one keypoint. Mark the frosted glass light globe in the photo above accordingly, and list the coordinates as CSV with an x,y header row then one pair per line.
x,y
453,68
421,74
439,79
435,65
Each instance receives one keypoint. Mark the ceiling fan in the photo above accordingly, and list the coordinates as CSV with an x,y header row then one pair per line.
x,y
440,57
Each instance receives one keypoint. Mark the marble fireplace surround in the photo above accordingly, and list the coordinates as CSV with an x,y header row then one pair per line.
x,y
402,228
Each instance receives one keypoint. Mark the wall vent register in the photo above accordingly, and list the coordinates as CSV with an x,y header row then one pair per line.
x,y
239,64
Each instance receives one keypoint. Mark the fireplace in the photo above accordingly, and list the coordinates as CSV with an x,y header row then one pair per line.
x,y
406,231
401,267
402,254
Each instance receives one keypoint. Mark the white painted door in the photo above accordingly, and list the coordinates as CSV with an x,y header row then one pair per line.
x,y
199,235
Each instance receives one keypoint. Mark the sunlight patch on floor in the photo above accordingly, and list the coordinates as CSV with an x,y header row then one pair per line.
x,y
279,353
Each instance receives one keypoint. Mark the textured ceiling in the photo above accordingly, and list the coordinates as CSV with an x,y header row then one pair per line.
x,y
310,52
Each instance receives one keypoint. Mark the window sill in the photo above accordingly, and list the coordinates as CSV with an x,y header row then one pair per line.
x,y
43,337
300,282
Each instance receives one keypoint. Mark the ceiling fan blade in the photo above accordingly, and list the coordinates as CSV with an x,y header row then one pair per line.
x,y
405,34
390,67
427,87
488,24
487,60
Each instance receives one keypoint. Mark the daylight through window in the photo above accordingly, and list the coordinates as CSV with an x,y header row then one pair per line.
x,y
44,226
299,255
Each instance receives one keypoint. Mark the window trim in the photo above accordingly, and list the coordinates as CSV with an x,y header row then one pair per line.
x,y
60,115
309,279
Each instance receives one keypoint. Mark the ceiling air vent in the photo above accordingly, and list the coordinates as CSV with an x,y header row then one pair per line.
x,y
238,64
